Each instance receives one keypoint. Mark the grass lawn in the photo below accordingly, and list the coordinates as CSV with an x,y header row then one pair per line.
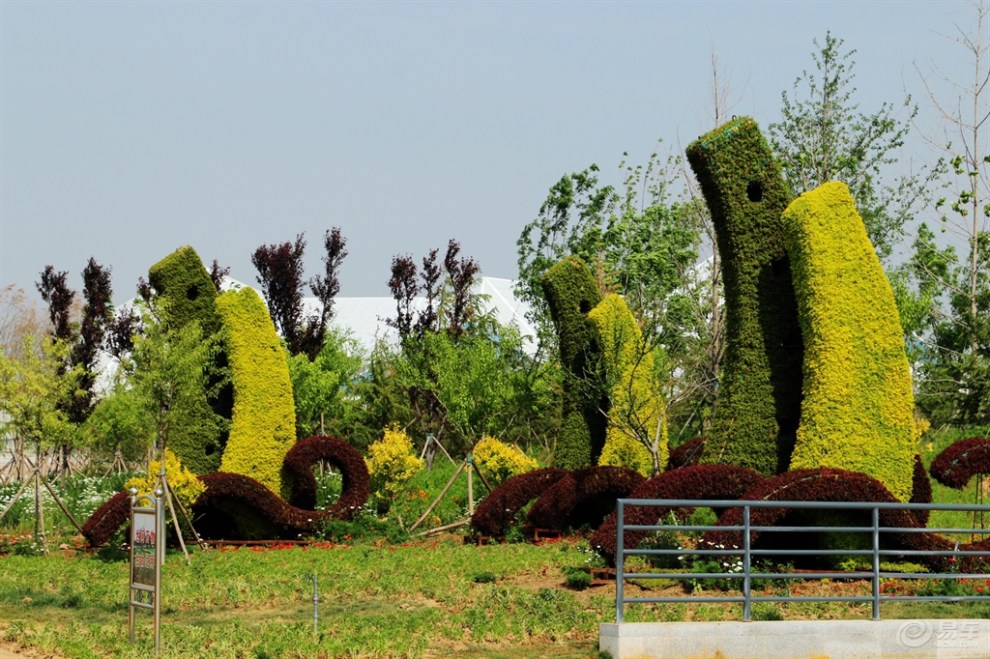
x,y
434,598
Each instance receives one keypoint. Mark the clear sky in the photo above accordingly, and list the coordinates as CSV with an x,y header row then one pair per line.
x,y
128,129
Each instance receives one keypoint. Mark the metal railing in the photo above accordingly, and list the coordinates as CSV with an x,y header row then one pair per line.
x,y
744,567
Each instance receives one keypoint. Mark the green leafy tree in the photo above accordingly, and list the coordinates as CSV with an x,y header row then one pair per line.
x,y
324,388
824,136
952,268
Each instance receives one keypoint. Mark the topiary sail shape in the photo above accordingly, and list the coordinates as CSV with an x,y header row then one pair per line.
x,y
262,428
759,400
858,404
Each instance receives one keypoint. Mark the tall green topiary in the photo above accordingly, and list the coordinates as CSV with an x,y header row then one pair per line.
x,y
571,292
758,409
636,410
263,422
181,279
858,401
185,294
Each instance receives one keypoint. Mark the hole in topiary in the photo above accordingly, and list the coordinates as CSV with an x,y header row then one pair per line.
x,y
192,292
754,191
585,306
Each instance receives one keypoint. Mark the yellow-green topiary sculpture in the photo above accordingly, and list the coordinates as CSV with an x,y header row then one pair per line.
x,y
636,417
858,402
263,420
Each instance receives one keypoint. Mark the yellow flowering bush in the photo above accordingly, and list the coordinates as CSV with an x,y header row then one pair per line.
x,y
184,484
499,461
391,462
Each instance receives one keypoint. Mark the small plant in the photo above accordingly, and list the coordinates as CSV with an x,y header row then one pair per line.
x,y
391,462
183,483
485,577
577,579
766,611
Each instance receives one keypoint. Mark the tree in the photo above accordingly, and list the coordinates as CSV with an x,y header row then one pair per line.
x,y
280,274
323,388
823,136
955,383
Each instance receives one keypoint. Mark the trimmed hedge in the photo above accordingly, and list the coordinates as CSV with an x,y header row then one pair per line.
x,y
105,520
356,486
497,510
263,424
921,490
186,294
858,404
759,402
698,482
636,408
582,498
571,293
181,279
959,462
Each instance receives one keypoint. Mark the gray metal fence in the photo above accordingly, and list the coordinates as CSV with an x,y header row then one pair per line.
x,y
743,568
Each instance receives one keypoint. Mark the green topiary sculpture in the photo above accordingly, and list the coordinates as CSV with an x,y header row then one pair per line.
x,y
181,279
858,401
571,292
185,294
263,422
756,418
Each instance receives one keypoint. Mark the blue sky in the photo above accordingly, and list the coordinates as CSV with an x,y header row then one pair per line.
x,y
128,129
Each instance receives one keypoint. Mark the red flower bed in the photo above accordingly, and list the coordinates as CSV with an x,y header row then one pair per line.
x,y
961,461
697,482
583,497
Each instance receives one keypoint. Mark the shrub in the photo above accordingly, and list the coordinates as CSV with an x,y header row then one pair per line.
x,y
263,423
858,409
571,292
759,401
687,454
499,461
391,462
182,482
101,526
621,450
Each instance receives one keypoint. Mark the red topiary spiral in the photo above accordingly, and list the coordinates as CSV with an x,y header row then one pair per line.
x,y
106,519
583,497
307,452
961,461
494,514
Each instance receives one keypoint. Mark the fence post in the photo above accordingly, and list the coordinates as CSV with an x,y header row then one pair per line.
x,y
876,563
747,568
620,548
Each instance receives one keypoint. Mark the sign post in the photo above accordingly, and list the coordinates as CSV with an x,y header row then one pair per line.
x,y
147,556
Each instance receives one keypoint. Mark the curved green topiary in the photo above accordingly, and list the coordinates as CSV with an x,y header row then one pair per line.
x,y
758,408
186,294
571,293
636,410
263,423
858,401
184,283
